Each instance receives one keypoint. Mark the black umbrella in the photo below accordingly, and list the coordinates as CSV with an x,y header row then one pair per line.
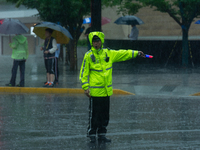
x,y
12,26
129,20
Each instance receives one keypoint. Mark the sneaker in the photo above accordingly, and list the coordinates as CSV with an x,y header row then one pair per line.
x,y
46,84
92,139
103,139
50,85
18,85
9,84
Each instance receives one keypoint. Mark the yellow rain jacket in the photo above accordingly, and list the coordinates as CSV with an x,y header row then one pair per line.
x,y
96,70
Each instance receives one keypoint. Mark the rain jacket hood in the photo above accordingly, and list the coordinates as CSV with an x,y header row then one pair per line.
x,y
99,34
20,38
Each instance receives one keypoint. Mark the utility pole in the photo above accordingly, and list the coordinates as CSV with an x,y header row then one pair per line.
x,y
96,15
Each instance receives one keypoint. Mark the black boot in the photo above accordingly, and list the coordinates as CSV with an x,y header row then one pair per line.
x,y
9,84
103,139
19,85
92,139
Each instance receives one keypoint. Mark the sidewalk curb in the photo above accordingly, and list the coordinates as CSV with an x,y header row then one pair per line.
x,y
54,90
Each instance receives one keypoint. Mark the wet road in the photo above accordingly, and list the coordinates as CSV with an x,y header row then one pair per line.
x,y
59,122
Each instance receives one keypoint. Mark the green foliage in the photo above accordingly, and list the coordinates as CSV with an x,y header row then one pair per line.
x,y
68,12
129,7
111,3
182,11
4,2
82,42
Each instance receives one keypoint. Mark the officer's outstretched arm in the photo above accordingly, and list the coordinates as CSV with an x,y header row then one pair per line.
x,y
123,55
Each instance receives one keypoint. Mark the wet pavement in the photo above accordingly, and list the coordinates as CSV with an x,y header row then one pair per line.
x,y
48,121
162,114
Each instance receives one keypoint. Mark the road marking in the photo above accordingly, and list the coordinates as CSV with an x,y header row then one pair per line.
x,y
54,90
196,94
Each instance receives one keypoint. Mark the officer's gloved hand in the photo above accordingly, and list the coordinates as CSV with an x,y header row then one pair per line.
x,y
141,54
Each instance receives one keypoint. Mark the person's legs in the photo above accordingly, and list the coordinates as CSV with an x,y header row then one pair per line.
x,y
46,66
22,73
52,76
48,77
103,115
51,72
93,117
104,108
47,72
56,70
14,72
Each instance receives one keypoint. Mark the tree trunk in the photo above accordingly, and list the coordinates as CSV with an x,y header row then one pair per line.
x,y
185,48
96,15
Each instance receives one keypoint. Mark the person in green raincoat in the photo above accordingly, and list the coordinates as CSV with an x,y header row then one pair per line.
x,y
20,53
96,81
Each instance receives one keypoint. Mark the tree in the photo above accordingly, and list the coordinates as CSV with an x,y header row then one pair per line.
x,y
69,13
3,2
182,11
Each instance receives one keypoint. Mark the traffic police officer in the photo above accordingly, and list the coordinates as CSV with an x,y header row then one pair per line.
x,y
96,80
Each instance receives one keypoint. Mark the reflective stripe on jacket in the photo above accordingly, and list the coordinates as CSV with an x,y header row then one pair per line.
x,y
97,75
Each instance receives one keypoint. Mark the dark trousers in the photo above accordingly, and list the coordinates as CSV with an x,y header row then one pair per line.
x,y
49,65
56,69
98,115
21,65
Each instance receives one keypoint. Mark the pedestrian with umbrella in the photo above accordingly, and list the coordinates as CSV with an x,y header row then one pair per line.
x,y
133,21
53,34
19,47
134,33
104,21
50,46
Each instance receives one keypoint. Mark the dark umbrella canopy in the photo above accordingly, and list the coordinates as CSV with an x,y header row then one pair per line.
x,y
129,20
12,26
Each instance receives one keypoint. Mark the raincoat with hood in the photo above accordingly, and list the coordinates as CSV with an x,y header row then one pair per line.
x,y
20,47
96,69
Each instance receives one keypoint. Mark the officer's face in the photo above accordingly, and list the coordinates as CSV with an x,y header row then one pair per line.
x,y
96,44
